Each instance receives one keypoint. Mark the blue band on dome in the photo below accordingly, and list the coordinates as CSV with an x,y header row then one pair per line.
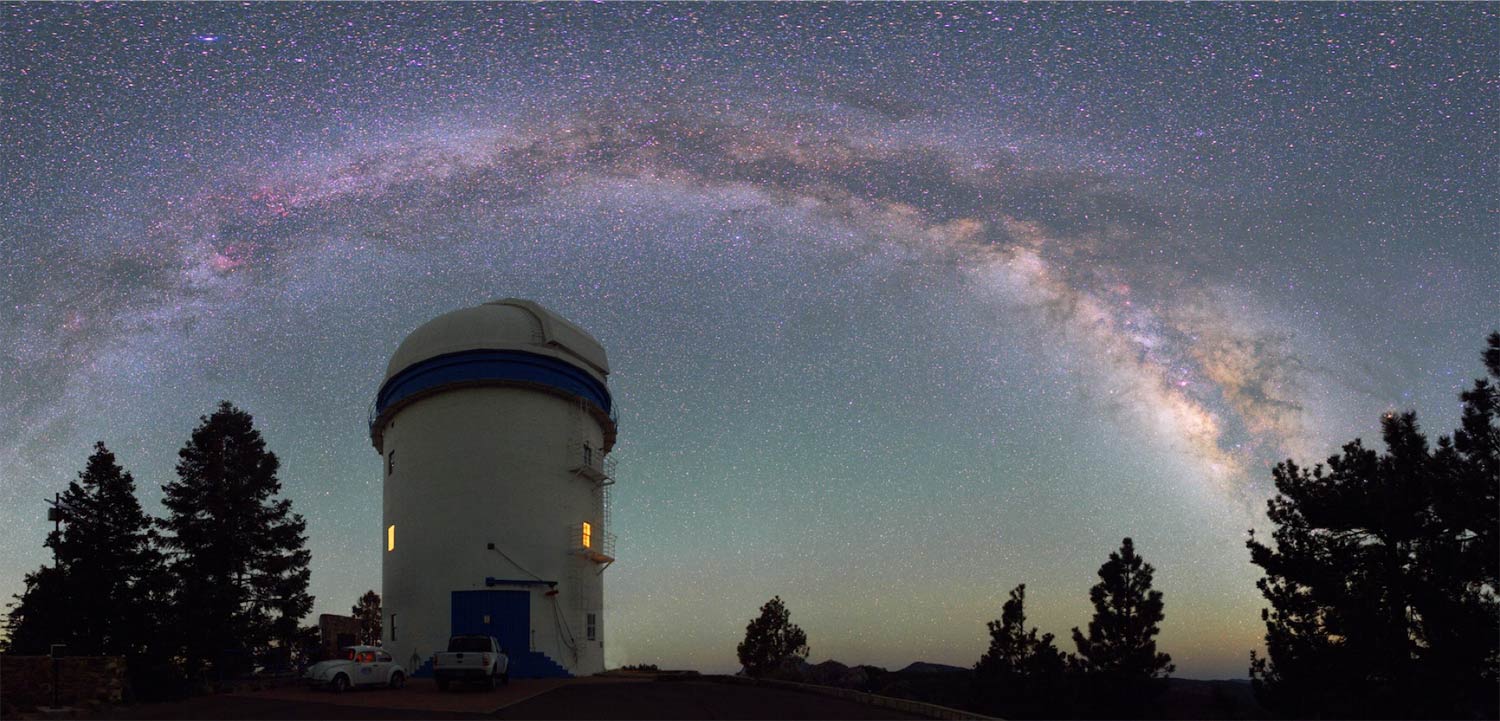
x,y
491,365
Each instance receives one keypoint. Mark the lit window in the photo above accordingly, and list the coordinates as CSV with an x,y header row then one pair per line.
x,y
588,533
390,537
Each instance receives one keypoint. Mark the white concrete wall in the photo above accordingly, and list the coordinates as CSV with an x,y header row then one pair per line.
x,y
481,465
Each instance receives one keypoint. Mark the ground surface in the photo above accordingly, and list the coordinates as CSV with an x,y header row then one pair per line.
x,y
227,706
587,698
689,700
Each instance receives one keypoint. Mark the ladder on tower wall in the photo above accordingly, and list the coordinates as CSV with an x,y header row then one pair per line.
x,y
593,539
604,508
585,460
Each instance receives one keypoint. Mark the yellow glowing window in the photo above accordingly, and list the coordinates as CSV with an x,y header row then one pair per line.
x,y
390,537
588,532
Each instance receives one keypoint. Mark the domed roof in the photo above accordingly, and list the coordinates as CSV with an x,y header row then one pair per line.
x,y
507,324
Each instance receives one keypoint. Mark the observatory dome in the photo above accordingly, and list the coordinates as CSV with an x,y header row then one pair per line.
x,y
507,324
507,342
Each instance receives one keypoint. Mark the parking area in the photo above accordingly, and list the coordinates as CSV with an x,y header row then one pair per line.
x,y
236,707
421,694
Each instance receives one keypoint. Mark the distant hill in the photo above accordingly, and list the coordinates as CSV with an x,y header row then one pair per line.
x,y
946,685
925,667
1188,698
833,673
952,686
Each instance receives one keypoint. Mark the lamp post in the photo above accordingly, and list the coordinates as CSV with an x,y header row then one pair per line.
x,y
57,513
57,653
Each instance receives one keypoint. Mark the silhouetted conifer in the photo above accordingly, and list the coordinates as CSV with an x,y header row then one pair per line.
x,y
1382,577
1118,661
98,598
367,610
108,592
238,551
772,641
308,648
1021,675
34,621
111,567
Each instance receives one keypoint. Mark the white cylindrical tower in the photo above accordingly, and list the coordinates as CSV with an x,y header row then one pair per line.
x,y
494,424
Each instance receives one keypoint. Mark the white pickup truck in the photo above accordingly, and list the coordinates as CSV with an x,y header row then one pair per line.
x,y
471,658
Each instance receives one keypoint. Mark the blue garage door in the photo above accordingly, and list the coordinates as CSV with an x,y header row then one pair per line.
x,y
506,615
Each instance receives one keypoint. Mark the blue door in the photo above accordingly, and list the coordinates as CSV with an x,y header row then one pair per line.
x,y
506,615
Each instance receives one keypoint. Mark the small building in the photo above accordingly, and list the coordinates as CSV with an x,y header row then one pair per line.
x,y
336,632
494,425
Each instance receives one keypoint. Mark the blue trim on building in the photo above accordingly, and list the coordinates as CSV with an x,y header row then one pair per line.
x,y
424,670
491,365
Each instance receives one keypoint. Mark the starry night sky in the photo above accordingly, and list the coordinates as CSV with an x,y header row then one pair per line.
x,y
906,304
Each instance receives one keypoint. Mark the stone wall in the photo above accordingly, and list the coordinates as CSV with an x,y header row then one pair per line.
x,y
26,681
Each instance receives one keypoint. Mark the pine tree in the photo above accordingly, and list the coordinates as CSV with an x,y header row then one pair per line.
x,y
1464,581
1118,658
1467,498
771,641
238,551
367,611
308,648
1020,675
1382,577
111,566
36,618
99,598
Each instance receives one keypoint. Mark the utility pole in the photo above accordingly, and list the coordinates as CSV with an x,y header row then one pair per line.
x,y
57,653
56,513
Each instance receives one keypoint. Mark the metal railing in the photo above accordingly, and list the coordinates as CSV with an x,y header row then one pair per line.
x,y
608,544
606,505
591,463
